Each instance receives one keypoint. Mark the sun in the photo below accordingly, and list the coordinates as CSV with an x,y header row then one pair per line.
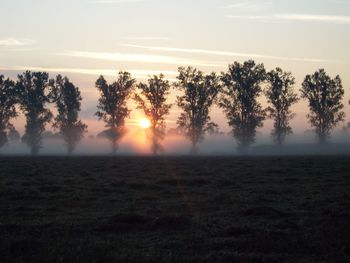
x,y
144,123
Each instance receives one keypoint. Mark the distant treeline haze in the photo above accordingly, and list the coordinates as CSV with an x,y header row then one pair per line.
x,y
236,92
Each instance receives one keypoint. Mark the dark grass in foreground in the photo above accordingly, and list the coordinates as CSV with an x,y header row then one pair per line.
x,y
207,209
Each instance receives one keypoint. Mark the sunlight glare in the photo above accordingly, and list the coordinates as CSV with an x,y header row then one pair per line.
x,y
144,123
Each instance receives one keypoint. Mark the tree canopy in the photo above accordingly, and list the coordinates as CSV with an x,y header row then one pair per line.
x,y
237,92
8,100
68,102
324,96
199,94
281,96
112,104
152,100
35,91
242,87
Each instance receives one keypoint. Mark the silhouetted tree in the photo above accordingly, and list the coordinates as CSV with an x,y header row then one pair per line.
x,y
242,87
200,93
68,102
152,100
13,134
8,99
349,122
35,91
112,105
281,96
324,96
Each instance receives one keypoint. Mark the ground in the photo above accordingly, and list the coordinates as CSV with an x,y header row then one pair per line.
x,y
175,209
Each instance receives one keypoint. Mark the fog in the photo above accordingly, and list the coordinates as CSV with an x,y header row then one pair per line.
x,y
136,143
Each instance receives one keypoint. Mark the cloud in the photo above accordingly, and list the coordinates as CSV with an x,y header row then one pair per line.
x,y
138,58
232,54
16,42
136,73
147,38
118,1
248,5
345,20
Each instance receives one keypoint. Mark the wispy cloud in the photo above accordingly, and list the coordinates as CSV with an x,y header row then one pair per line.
x,y
117,1
16,42
248,5
296,17
138,58
136,73
232,54
147,38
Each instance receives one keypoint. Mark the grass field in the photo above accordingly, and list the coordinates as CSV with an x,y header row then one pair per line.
x,y
175,209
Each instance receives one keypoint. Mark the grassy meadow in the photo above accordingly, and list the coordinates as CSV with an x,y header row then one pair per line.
x,y
175,209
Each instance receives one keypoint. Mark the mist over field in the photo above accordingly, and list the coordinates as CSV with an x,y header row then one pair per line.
x,y
137,144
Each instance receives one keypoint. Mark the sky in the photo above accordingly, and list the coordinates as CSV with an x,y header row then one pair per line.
x,y
85,38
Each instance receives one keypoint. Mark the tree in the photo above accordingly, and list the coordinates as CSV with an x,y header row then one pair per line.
x,y
281,96
13,134
152,100
68,102
324,96
8,99
35,91
349,122
112,105
200,93
242,87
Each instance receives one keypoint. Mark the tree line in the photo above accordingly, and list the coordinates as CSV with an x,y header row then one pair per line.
x,y
236,92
